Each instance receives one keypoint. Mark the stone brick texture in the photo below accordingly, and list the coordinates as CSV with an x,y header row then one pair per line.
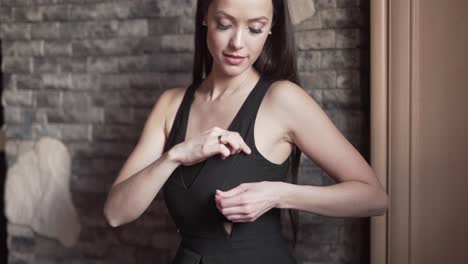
x,y
88,72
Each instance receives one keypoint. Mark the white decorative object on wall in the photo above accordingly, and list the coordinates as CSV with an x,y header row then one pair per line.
x,y
37,192
301,10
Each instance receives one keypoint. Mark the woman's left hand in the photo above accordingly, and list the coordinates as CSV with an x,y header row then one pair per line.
x,y
248,201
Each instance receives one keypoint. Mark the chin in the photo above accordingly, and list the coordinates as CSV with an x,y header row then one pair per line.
x,y
232,70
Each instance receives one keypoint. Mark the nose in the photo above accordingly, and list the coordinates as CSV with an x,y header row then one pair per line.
x,y
236,40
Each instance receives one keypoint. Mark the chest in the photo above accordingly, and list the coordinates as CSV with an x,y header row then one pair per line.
x,y
204,116
268,133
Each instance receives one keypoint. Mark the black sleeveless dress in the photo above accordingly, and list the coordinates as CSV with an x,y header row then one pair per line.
x,y
189,195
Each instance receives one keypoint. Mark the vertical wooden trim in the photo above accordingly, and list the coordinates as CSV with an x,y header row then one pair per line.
x,y
399,127
379,120
414,123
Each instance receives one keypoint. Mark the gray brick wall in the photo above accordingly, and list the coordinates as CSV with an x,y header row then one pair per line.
x,y
88,71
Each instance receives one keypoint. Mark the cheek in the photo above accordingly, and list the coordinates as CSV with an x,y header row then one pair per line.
x,y
255,47
216,42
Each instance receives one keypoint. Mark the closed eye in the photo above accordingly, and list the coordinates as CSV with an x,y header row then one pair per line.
x,y
221,26
256,31
252,30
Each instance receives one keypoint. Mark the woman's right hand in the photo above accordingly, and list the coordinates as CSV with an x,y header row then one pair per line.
x,y
207,144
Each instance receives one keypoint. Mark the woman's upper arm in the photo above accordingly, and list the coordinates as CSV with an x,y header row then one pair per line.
x,y
310,128
152,139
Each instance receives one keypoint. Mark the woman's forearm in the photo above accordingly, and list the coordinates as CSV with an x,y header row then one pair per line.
x,y
345,199
128,199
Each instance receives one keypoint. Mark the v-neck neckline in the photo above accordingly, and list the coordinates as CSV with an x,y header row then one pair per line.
x,y
233,121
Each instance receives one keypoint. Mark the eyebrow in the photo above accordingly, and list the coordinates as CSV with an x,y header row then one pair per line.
x,y
232,18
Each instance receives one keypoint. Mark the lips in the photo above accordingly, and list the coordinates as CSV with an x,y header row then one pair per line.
x,y
233,59
234,56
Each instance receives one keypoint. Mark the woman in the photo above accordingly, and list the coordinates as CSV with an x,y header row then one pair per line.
x,y
220,149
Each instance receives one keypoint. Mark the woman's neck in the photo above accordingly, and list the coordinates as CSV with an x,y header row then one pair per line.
x,y
215,86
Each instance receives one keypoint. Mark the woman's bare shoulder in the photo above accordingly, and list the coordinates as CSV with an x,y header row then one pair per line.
x,y
284,94
283,99
174,94
285,89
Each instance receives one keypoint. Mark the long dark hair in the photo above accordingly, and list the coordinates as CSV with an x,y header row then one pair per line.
x,y
277,61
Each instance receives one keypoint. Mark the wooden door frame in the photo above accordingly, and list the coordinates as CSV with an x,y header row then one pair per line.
x,y
378,119
392,110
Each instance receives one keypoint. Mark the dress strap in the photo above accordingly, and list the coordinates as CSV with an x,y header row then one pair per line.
x,y
247,118
182,112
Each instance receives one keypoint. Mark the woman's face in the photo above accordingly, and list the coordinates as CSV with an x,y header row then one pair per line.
x,y
237,31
